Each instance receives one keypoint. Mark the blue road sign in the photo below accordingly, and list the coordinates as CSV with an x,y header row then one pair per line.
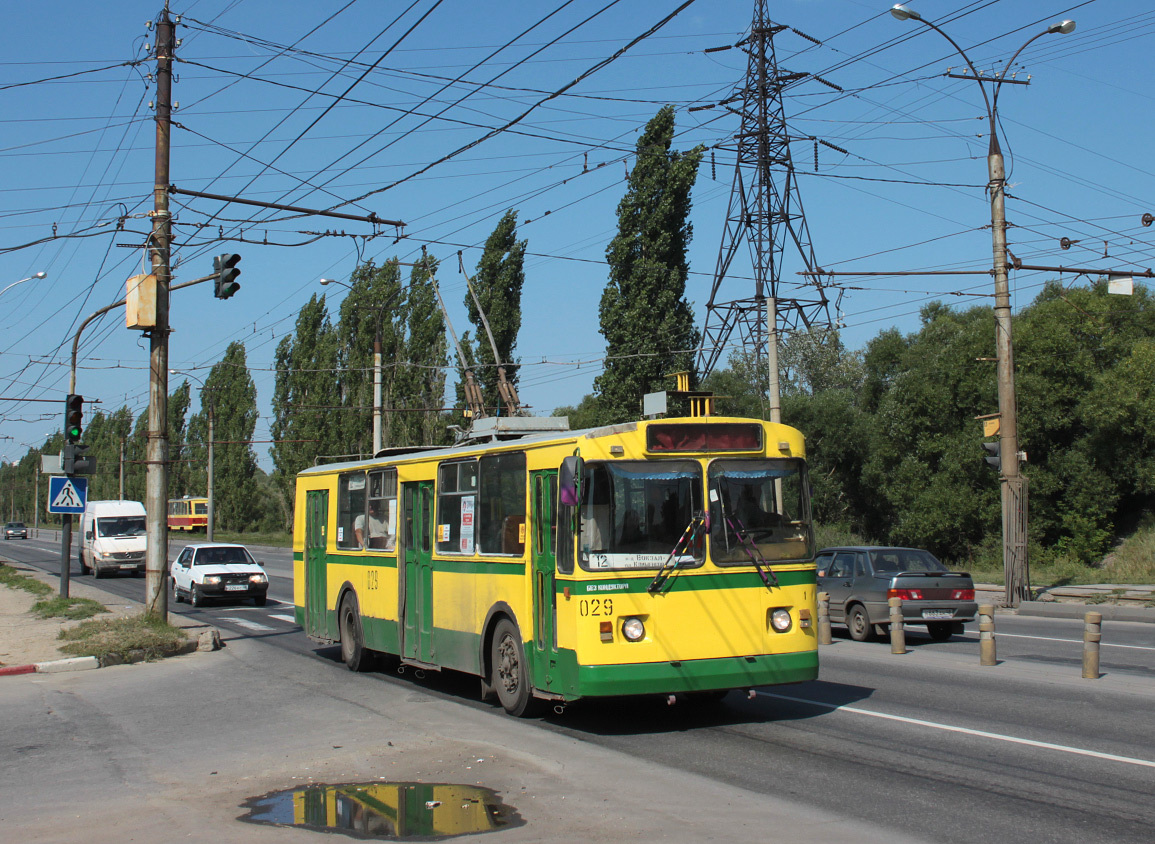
x,y
67,494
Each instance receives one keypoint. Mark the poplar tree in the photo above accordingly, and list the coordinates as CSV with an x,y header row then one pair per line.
x,y
420,380
498,282
375,295
233,394
305,399
645,318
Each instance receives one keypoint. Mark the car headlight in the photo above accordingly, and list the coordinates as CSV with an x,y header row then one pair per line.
x,y
633,629
780,620
257,578
212,579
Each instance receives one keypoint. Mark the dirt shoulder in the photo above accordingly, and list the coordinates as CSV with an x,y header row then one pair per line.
x,y
26,639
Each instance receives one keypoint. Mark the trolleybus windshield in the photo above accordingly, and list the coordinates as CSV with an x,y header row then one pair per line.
x,y
633,513
760,503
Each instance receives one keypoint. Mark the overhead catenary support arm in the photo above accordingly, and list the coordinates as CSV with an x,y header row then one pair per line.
x,y
473,398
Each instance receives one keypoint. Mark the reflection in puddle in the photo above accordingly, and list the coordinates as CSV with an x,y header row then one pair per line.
x,y
398,810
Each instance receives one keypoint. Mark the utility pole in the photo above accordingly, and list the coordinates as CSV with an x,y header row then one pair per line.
x,y
209,485
120,495
156,465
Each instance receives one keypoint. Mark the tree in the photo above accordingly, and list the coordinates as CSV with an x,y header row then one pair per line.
x,y
306,399
645,318
233,395
498,282
419,385
375,300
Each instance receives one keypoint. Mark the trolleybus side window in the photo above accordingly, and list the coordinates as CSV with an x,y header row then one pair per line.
x,y
379,524
457,507
634,513
501,516
350,505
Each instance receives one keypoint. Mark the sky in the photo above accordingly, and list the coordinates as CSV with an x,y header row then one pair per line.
x,y
393,109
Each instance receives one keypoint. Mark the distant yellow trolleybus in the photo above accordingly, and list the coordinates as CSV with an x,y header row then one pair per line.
x,y
669,556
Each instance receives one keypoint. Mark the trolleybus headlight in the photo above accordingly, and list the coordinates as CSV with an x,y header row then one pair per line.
x,y
780,620
633,630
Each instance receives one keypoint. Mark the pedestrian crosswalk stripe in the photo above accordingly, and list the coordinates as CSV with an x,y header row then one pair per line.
x,y
287,618
248,625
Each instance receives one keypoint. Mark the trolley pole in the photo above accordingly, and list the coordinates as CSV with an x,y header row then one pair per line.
x,y
156,474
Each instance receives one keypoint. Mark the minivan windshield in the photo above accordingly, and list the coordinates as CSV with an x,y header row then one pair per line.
x,y
113,526
761,506
634,513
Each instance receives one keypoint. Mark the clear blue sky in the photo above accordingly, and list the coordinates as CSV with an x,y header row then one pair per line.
x,y
77,154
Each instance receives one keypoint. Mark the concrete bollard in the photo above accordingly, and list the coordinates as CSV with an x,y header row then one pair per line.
x,y
897,634
824,637
1092,634
987,649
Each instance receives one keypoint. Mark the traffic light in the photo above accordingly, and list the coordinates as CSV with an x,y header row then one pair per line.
x,y
82,464
73,417
992,457
225,266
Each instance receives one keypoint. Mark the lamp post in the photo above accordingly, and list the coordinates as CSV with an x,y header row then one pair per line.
x,y
1014,485
41,274
380,311
209,483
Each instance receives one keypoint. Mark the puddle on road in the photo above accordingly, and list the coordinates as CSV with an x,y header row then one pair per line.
x,y
403,811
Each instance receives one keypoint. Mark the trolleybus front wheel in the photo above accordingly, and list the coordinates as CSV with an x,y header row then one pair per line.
x,y
508,671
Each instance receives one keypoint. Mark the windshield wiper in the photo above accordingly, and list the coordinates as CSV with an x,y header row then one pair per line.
x,y
699,524
750,547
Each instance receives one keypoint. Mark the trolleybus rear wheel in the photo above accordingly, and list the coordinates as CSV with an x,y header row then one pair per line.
x,y
508,671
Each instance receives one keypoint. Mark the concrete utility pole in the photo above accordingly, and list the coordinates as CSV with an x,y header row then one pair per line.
x,y
156,474
1014,485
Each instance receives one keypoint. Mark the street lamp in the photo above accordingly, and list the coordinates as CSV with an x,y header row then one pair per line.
x,y
40,274
209,484
1014,485
380,309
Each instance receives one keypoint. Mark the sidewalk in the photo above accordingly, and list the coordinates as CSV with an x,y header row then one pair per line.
x,y
1117,602
26,640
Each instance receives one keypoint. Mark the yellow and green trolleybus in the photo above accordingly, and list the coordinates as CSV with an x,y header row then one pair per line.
x,y
669,556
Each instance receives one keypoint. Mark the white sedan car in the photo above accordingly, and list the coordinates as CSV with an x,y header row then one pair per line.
x,y
205,571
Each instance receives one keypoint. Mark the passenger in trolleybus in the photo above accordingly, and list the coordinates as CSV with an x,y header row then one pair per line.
x,y
378,535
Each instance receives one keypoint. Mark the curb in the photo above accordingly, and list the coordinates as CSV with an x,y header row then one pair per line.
x,y
1111,612
55,666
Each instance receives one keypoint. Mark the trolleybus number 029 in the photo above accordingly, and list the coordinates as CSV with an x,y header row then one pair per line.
x,y
596,606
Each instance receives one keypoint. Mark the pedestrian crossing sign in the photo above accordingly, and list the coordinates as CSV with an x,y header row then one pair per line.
x,y
67,494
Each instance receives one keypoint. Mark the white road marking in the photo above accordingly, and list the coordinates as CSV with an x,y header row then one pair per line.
x,y
950,728
999,635
288,618
248,625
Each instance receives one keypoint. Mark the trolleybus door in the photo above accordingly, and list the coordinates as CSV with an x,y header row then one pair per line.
x,y
316,592
417,577
544,521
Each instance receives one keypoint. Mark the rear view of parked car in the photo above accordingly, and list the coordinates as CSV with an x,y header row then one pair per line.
x,y
860,580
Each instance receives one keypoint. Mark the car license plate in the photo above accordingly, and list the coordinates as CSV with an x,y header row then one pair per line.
x,y
239,587
938,613
128,565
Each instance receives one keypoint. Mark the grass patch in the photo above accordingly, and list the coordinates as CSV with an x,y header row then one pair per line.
x,y
138,638
10,577
71,608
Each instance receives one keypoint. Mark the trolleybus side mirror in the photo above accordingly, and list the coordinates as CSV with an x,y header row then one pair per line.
x,y
568,480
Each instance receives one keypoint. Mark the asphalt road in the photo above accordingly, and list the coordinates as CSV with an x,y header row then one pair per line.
x,y
928,744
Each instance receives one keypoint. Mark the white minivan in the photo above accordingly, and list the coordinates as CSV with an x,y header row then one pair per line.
x,y
112,537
